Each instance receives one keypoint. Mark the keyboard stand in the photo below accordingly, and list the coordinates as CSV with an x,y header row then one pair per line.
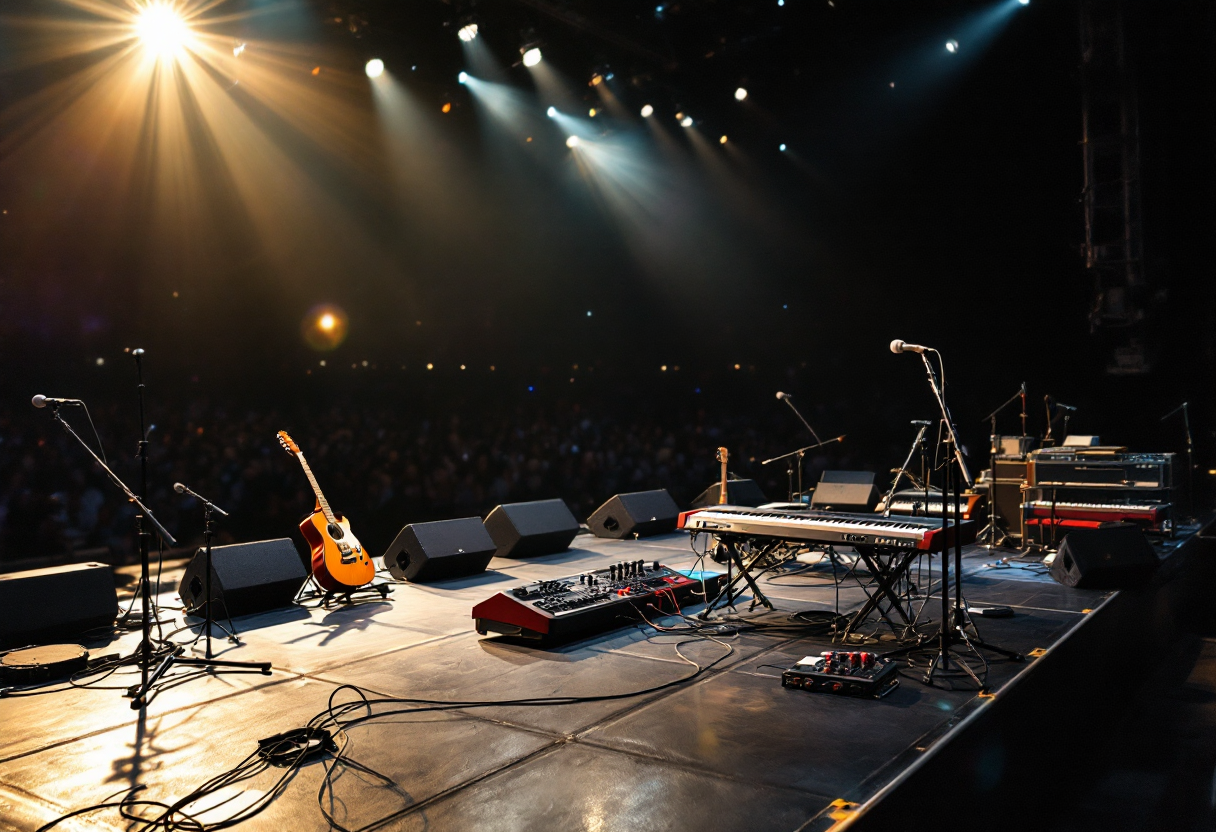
x,y
886,570
743,573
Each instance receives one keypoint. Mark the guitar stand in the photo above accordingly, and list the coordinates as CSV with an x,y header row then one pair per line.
x,y
733,557
348,598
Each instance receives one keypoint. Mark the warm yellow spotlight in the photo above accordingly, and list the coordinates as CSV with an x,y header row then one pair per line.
x,y
162,29
324,327
573,142
722,140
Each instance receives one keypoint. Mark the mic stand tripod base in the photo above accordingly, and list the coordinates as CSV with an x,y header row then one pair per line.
x,y
139,693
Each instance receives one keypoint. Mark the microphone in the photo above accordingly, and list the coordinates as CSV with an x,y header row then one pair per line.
x,y
1060,406
781,395
40,401
898,346
137,352
179,488
922,422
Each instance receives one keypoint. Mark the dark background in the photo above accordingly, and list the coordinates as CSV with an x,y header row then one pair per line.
x,y
944,210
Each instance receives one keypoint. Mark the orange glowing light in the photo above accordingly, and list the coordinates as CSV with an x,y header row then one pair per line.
x,y
447,108
324,327
316,70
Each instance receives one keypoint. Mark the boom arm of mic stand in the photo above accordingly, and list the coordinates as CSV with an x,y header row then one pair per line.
x,y
941,403
804,421
920,437
804,450
1012,399
160,530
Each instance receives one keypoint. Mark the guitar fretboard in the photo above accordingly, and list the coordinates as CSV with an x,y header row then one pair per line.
x,y
326,510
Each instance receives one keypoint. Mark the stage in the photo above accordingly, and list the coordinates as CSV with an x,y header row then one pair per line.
x,y
730,749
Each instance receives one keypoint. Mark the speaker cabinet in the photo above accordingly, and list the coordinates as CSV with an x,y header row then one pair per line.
x,y
640,513
738,493
40,605
439,550
845,491
245,577
524,530
1115,557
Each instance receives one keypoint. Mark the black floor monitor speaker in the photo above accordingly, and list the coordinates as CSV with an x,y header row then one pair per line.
x,y
40,605
738,493
640,513
245,577
845,491
442,549
1117,556
524,530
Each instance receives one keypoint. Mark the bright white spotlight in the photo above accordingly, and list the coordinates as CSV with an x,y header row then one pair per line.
x,y
551,112
951,46
467,33
374,68
463,77
740,94
686,121
572,142
647,111
781,148
161,28
532,57
1024,2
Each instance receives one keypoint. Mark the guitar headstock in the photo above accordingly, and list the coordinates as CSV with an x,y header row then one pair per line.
x,y
723,455
288,443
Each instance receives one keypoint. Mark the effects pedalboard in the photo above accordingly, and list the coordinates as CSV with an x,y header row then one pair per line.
x,y
844,673
602,599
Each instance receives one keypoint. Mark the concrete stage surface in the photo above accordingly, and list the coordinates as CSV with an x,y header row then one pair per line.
x,y
729,750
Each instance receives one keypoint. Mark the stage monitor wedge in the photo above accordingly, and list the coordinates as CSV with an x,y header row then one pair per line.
x,y
845,491
1117,556
738,493
440,550
638,513
524,530
40,605
245,578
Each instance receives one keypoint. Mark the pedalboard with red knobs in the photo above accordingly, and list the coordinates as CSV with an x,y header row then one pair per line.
x,y
844,673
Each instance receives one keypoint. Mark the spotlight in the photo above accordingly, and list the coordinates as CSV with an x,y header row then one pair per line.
x,y
951,46
647,111
238,50
597,79
374,68
722,140
572,142
467,33
327,321
592,112
161,28
1024,2
740,94
532,56
781,148
551,112
463,77
686,121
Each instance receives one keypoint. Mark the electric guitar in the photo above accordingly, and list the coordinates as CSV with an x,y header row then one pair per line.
x,y
723,456
339,563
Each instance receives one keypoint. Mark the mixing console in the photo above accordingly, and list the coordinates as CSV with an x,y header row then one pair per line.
x,y
593,601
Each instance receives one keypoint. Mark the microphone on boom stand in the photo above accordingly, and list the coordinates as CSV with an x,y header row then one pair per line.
x,y
40,401
788,399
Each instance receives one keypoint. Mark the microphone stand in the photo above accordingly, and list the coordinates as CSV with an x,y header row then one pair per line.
x,y
1190,456
139,694
993,531
954,624
916,443
800,453
209,619
786,398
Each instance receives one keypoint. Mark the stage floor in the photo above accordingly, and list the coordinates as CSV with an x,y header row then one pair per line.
x,y
729,750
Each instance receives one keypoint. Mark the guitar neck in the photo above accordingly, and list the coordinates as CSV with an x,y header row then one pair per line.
x,y
316,489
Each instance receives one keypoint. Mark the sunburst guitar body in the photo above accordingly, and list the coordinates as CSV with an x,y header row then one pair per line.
x,y
339,562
